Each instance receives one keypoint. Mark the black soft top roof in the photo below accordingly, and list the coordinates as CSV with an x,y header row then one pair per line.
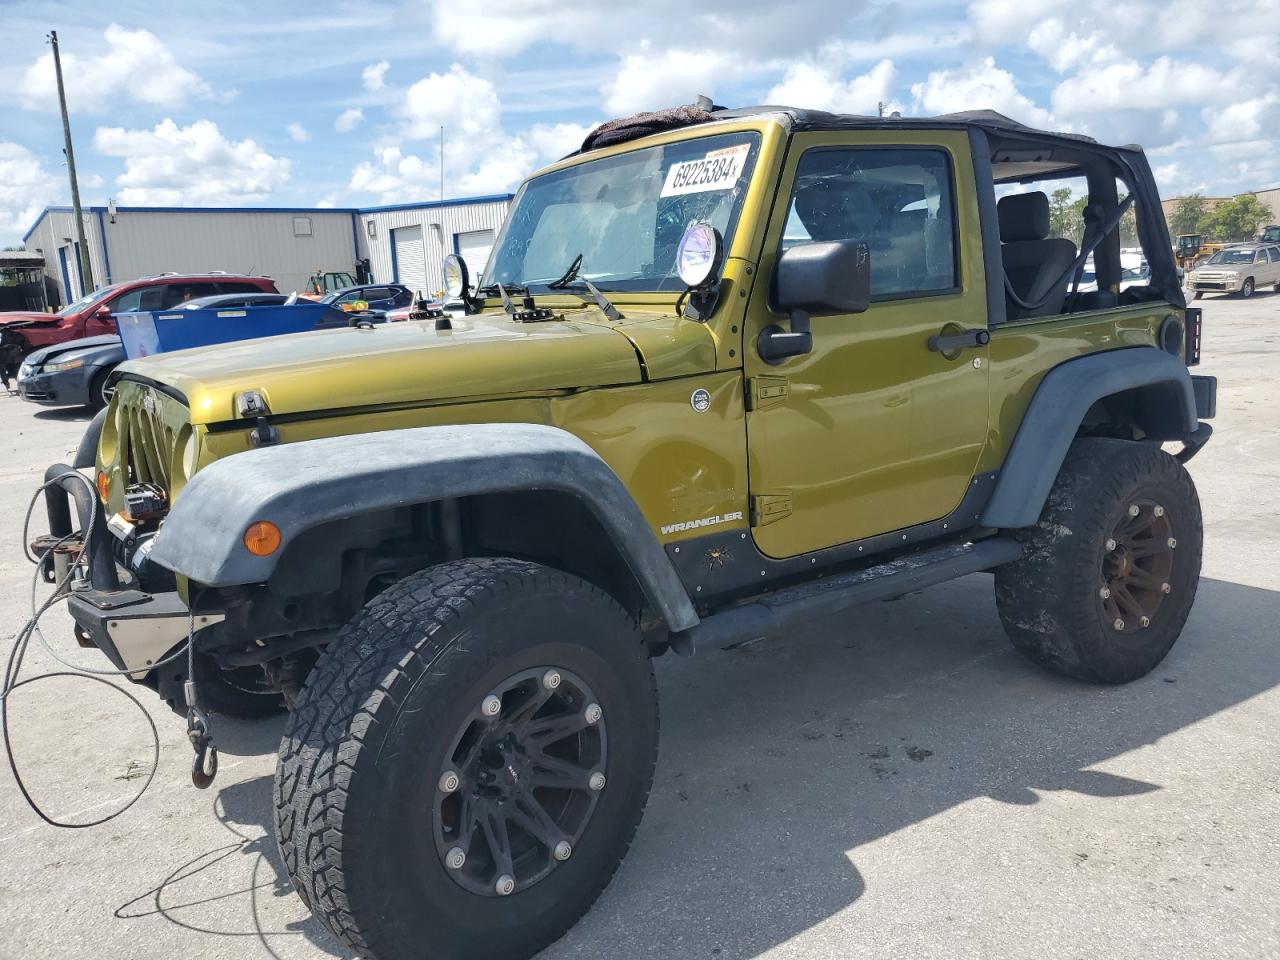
x,y
988,120
641,125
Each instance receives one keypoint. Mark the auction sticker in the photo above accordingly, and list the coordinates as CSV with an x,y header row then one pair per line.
x,y
718,170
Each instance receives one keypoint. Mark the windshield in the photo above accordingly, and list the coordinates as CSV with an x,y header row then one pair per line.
x,y
624,214
1232,256
88,300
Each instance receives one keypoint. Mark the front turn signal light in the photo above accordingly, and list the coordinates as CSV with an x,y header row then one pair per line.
x,y
103,486
262,538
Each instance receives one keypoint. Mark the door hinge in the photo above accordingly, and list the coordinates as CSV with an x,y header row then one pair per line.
x,y
767,392
768,507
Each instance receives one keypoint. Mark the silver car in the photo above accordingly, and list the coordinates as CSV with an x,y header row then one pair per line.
x,y
1241,269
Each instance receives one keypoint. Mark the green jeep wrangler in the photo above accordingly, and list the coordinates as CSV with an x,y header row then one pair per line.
x,y
726,370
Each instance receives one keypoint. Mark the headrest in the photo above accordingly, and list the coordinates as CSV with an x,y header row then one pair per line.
x,y
1023,216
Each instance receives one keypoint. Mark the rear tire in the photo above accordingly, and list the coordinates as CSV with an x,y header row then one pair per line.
x,y
1091,569
360,795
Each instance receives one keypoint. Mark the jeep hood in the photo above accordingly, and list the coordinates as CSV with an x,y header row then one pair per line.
x,y
488,355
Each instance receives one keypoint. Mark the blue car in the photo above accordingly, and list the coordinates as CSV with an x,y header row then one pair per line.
x,y
379,296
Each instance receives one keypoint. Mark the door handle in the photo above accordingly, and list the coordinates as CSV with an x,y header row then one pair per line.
x,y
940,343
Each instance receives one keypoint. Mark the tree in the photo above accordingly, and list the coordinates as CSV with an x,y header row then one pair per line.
x,y
1066,216
1238,218
1191,215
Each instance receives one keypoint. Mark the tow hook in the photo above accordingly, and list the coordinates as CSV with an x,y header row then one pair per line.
x,y
204,767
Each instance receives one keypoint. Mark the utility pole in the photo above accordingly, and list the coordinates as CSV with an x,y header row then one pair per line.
x,y
86,268
442,163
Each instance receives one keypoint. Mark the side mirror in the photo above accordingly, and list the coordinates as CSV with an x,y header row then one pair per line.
x,y
815,278
818,278
104,312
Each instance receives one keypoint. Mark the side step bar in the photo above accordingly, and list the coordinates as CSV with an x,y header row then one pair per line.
x,y
776,612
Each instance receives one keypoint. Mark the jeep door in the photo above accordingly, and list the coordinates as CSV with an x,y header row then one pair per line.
x,y
872,431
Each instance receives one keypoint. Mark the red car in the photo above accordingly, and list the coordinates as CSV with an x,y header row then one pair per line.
x,y
90,316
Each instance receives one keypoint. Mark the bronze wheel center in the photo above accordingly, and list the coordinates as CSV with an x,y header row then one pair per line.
x,y
1137,567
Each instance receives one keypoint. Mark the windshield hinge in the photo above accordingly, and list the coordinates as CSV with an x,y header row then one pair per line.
x,y
768,507
765,392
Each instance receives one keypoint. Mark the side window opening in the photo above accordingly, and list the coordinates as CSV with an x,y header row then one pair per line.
x,y
900,201
1117,269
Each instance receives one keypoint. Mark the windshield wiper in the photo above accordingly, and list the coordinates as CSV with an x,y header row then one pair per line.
x,y
490,289
569,275
601,300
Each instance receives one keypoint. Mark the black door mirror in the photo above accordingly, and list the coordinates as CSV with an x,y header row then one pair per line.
x,y
815,278
818,278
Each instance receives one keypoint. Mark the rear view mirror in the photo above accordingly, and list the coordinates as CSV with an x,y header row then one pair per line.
x,y
815,278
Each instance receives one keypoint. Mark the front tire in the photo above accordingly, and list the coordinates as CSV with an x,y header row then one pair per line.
x,y
434,678
99,394
1246,288
1108,576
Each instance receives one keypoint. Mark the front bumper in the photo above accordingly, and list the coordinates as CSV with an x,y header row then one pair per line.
x,y
1216,284
54,389
134,628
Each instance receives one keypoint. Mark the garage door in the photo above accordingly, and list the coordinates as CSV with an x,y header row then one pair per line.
x,y
411,258
475,247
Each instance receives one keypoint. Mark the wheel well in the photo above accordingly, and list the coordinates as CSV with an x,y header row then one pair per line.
x,y
1149,412
329,571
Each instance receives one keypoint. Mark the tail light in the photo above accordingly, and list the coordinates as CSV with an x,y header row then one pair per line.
x,y
1193,336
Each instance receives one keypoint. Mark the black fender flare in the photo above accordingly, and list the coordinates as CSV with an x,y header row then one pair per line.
x,y
1058,408
300,485
87,451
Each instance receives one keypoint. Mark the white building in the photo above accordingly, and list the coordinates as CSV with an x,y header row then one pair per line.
x,y
407,243
403,243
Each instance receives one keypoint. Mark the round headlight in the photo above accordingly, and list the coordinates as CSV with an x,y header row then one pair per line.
x,y
190,453
699,254
456,279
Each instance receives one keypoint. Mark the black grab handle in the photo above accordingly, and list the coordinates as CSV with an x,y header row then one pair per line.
x,y
959,341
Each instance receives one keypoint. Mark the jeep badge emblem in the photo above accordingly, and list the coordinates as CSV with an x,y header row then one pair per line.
x,y
700,401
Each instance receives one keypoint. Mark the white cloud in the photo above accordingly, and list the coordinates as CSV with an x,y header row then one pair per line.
x,y
1131,86
751,29
135,64
1072,50
374,75
817,86
26,188
298,133
348,119
192,165
980,86
467,104
553,141
1243,120
652,79
480,157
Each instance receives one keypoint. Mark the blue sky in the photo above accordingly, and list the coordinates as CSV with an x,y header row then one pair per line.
x,y
234,103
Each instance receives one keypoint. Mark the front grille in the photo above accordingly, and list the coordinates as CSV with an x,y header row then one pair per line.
x,y
148,426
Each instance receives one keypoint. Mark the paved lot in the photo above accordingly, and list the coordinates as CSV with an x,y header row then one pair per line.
x,y
895,783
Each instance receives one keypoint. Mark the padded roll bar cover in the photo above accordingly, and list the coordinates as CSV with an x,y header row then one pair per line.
x,y
1058,408
298,486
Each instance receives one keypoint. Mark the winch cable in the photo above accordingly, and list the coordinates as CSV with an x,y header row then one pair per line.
x,y
32,628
